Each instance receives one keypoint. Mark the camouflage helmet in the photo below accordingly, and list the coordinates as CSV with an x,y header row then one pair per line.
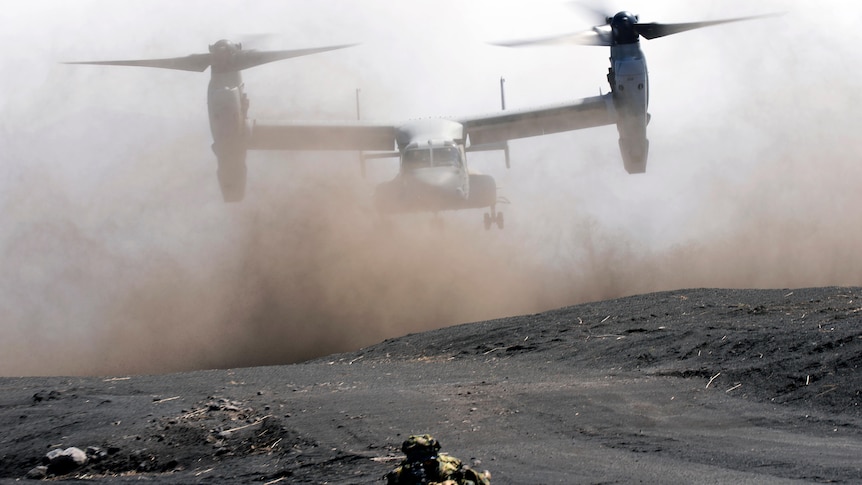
x,y
420,446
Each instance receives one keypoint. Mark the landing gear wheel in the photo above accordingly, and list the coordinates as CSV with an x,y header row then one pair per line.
x,y
494,218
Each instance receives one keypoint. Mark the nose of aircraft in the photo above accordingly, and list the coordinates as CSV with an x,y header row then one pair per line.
x,y
445,181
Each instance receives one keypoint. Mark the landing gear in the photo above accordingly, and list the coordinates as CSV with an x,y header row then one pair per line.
x,y
494,218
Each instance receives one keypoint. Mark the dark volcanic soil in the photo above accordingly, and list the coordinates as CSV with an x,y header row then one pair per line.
x,y
689,386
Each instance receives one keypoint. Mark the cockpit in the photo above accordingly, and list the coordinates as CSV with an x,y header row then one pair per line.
x,y
425,157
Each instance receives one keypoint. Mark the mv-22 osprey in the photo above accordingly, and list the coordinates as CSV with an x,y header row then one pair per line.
x,y
433,174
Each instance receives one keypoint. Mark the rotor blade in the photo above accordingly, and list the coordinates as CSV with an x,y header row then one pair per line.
x,y
194,62
597,15
597,36
655,30
252,58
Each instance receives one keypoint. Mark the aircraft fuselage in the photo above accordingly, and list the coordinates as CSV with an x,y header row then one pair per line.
x,y
433,174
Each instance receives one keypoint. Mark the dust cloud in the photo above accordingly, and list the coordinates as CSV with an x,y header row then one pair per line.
x,y
120,257
306,270
295,274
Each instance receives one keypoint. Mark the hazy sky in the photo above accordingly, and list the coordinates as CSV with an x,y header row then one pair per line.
x,y
120,256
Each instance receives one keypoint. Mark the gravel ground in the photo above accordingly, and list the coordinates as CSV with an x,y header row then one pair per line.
x,y
701,385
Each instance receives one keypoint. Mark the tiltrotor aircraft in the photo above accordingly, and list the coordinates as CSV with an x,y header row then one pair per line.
x,y
227,101
433,174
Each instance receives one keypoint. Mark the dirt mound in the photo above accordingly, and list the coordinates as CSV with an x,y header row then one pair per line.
x,y
799,346
722,385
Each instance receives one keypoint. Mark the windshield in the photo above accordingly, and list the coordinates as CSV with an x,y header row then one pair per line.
x,y
417,158
448,156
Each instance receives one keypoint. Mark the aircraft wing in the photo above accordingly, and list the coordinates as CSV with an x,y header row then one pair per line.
x,y
580,114
286,135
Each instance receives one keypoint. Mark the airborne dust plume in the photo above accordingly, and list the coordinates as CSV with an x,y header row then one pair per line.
x,y
120,257
311,270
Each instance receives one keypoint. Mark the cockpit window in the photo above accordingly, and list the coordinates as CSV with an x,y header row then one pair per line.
x,y
448,156
417,158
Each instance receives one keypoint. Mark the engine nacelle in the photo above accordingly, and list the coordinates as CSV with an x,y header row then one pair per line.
x,y
231,170
635,153
228,107
630,85
634,145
